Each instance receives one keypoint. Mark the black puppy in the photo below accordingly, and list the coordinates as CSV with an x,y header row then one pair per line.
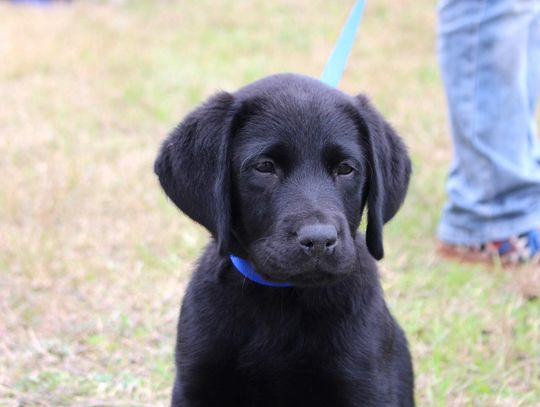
x,y
280,173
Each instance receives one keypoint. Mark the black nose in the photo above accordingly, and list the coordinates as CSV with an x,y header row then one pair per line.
x,y
318,239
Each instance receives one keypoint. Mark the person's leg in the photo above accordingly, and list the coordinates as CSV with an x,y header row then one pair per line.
x,y
490,62
533,79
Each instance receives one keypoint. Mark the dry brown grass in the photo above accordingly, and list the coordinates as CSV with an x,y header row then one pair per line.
x,y
93,259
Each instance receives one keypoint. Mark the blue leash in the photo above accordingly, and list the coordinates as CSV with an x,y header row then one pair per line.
x,y
332,73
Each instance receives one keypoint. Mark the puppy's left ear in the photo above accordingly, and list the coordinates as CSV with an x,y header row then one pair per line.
x,y
193,166
389,171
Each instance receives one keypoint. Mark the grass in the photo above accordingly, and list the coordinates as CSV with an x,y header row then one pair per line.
x,y
94,259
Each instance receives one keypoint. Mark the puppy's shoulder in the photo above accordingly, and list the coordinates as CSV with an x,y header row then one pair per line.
x,y
210,267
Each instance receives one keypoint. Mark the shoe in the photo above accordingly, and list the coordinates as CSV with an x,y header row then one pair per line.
x,y
516,250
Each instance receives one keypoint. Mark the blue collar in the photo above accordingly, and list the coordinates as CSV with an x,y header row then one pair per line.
x,y
248,271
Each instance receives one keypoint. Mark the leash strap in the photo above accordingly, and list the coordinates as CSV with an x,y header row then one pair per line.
x,y
332,73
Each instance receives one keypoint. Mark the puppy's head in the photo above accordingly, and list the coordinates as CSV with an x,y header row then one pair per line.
x,y
281,171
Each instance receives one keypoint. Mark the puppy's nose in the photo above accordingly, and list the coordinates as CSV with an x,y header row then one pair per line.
x,y
318,239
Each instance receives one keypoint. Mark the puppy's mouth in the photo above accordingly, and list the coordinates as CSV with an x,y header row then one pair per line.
x,y
315,277
285,263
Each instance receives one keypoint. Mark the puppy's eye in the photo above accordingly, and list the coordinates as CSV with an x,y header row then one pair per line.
x,y
266,167
344,169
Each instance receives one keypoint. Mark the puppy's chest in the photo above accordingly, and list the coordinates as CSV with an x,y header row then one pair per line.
x,y
293,343
279,356
278,352
277,369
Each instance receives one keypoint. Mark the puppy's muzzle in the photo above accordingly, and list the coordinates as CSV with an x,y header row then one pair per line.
x,y
318,239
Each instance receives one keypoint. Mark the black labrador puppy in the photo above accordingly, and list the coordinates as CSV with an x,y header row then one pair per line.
x,y
280,173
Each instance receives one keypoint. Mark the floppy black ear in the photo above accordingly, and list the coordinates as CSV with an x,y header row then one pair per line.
x,y
389,172
193,166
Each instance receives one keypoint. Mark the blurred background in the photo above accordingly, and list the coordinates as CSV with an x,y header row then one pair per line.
x,y
93,257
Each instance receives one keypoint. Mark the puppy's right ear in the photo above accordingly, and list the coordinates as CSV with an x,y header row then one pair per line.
x,y
389,172
193,166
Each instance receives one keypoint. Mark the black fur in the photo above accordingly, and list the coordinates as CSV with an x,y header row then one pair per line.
x,y
254,167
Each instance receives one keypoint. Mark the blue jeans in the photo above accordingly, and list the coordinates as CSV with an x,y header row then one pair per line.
x,y
489,54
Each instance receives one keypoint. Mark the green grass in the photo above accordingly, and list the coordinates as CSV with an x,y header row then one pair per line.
x,y
94,259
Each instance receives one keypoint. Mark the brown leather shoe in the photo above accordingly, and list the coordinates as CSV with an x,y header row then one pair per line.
x,y
523,249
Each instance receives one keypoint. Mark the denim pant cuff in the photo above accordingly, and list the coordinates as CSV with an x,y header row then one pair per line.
x,y
497,230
